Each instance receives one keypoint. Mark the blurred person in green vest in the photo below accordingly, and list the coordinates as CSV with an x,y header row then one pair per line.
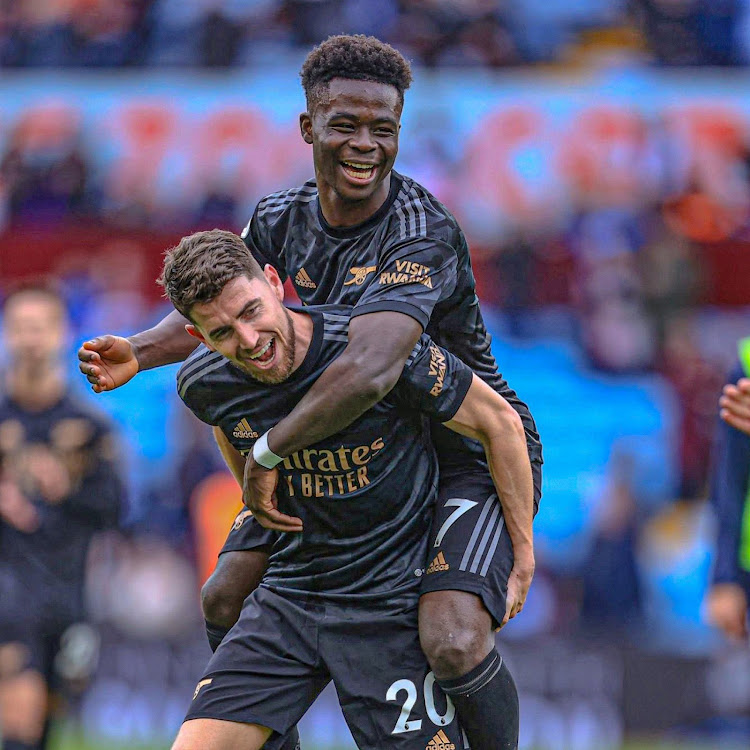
x,y
729,593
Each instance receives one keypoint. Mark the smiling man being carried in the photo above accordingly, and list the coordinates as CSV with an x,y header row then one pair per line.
x,y
338,601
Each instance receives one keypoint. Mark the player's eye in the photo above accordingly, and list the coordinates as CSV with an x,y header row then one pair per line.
x,y
384,132
343,127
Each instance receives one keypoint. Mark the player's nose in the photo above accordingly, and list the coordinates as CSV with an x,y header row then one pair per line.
x,y
248,337
361,140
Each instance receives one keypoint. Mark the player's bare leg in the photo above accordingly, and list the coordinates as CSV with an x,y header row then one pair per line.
x,y
23,705
214,734
456,634
236,576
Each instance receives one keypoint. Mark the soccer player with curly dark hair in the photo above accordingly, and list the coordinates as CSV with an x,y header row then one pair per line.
x,y
361,234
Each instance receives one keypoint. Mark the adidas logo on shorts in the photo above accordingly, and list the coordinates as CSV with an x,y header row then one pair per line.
x,y
437,564
303,279
440,742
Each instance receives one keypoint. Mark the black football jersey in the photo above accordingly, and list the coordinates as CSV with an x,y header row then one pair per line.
x,y
366,494
411,257
50,556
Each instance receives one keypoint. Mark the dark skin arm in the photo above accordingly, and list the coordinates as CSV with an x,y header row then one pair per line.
x,y
369,367
111,361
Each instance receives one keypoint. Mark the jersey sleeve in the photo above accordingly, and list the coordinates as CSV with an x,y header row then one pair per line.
x,y
411,278
433,381
258,238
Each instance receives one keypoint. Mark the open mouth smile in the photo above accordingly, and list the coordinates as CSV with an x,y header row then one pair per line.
x,y
359,171
265,354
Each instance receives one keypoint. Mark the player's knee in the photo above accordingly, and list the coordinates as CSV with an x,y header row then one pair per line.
x,y
221,603
455,632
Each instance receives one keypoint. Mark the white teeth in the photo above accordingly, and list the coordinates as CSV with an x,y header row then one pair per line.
x,y
262,351
357,165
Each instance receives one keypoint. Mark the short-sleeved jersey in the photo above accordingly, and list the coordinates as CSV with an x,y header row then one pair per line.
x,y
50,558
366,494
411,256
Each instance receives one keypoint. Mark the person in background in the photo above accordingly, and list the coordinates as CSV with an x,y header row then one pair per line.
x,y
727,602
59,485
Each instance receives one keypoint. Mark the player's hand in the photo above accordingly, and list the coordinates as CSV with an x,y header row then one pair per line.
x,y
107,362
735,405
50,474
15,509
727,609
259,495
519,582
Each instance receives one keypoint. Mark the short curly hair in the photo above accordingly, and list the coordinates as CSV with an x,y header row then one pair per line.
x,y
357,57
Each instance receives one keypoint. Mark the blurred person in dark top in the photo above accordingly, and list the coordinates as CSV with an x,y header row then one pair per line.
x,y
58,486
729,594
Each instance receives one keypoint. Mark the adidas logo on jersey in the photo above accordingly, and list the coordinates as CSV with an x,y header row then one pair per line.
x,y
437,564
302,279
440,742
244,431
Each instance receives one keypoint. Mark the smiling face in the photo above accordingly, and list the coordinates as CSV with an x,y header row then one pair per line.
x,y
354,134
248,324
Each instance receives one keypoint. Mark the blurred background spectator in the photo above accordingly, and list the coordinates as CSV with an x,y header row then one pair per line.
x,y
59,486
598,160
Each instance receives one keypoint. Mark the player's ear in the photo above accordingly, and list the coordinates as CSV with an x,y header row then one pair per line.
x,y
305,127
274,281
195,333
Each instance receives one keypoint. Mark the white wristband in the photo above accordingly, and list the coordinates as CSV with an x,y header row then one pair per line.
x,y
263,455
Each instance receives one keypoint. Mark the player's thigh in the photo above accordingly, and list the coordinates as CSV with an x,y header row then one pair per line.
x,y
387,692
469,549
213,734
239,569
236,576
267,670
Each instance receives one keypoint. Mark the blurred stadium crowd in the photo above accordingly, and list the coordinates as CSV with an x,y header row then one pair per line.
x,y
610,241
492,33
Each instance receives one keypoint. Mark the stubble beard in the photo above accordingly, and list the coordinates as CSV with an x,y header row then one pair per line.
x,y
283,369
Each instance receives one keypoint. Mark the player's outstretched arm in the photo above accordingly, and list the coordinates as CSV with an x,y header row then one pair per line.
x,y
485,416
366,371
735,405
111,361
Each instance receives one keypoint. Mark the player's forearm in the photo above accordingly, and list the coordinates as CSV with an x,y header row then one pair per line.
x,y
345,391
234,460
167,342
486,417
366,371
511,474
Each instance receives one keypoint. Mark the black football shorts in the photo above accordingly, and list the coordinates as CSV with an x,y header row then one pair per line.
x,y
470,548
246,533
284,650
